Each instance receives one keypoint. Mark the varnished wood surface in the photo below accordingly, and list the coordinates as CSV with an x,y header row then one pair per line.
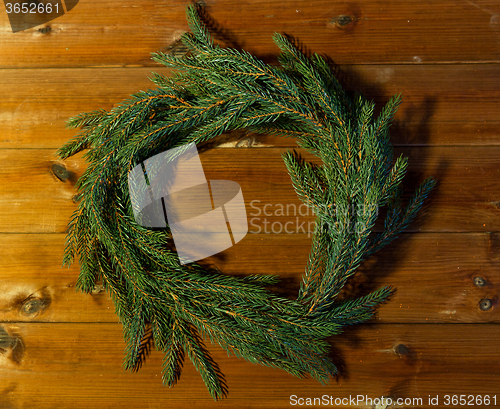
x,y
465,200
124,33
79,366
440,102
433,276
60,348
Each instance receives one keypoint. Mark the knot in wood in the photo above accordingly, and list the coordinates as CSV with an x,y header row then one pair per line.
x,y
32,307
60,171
485,304
479,281
401,349
343,20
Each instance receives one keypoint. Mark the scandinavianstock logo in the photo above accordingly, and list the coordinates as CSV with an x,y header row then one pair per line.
x,y
24,14
205,217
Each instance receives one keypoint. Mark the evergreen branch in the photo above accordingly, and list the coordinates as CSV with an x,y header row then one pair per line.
x,y
203,362
400,221
174,352
86,119
316,263
198,29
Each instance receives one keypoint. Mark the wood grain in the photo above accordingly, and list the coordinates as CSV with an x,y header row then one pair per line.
x,y
35,287
110,33
433,275
33,199
53,364
434,110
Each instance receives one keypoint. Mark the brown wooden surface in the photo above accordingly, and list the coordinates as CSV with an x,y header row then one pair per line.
x,y
466,199
124,33
60,348
441,102
79,366
432,273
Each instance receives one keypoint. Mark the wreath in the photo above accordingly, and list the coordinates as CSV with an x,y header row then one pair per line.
x,y
176,305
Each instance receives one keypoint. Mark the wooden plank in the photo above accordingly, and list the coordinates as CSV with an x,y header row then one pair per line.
x,y
434,110
53,364
433,273
35,287
34,200
465,200
109,33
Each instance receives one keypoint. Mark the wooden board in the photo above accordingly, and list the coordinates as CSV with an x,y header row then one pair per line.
x,y
434,111
33,199
110,33
433,276
53,364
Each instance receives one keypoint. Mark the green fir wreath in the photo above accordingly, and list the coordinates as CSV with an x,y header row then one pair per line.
x,y
176,307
